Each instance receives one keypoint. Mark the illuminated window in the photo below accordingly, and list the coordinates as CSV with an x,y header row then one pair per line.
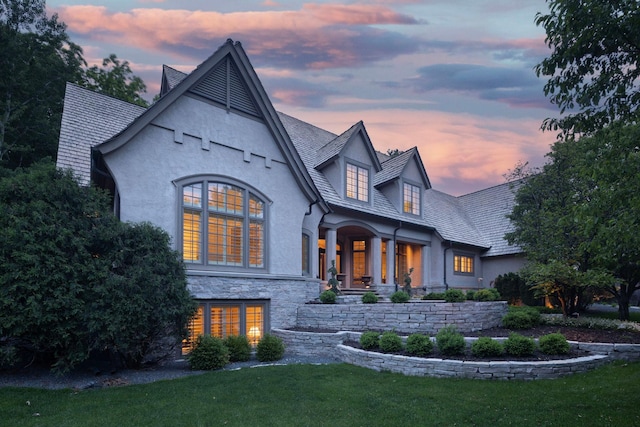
x,y
357,183
222,225
411,199
306,253
463,264
359,259
225,318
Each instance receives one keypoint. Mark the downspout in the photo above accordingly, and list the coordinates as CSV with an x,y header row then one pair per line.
x,y
395,255
311,206
446,285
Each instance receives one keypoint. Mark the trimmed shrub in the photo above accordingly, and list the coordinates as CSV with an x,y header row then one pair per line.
x,y
369,298
450,342
471,294
487,294
209,353
369,340
521,318
399,297
419,345
433,296
328,297
454,295
553,344
486,347
390,342
239,348
269,348
519,346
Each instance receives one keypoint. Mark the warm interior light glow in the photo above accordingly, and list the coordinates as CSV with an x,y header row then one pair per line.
x,y
254,335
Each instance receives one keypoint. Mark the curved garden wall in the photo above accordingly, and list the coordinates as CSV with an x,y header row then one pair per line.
x,y
426,317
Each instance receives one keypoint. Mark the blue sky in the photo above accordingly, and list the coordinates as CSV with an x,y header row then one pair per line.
x,y
454,78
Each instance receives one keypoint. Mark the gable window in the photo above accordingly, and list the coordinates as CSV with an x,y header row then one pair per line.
x,y
411,199
357,182
463,264
224,318
223,225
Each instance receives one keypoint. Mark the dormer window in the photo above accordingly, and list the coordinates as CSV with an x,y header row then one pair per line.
x,y
411,199
357,183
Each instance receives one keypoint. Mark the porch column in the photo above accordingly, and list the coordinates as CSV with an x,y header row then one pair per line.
x,y
331,239
391,261
426,262
376,264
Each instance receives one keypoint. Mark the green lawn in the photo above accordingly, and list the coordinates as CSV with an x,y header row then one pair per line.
x,y
336,395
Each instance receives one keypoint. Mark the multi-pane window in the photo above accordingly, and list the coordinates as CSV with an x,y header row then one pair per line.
x,y
306,262
222,225
222,319
359,259
463,264
357,183
411,199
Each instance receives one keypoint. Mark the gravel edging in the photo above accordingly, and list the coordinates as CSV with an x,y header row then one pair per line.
x,y
83,380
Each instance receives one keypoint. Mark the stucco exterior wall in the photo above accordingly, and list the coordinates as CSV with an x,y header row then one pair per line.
x,y
492,267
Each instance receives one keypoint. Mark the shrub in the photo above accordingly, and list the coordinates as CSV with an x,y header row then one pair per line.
x,y
454,295
419,345
521,318
553,344
369,298
370,340
390,342
487,294
239,348
450,342
519,346
471,294
399,297
514,289
433,296
8,356
270,348
328,297
486,347
209,353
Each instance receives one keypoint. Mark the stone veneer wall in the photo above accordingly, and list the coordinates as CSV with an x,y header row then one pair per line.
x,y
420,316
284,295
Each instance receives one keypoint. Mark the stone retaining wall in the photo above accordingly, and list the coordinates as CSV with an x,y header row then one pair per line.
x,y
426,317
331,345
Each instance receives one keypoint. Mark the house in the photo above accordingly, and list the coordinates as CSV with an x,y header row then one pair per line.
x,y
261,204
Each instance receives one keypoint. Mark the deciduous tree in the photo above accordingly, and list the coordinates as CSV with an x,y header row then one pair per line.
x,y
117,80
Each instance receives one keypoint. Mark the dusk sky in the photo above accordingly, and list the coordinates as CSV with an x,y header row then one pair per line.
x,y
453,77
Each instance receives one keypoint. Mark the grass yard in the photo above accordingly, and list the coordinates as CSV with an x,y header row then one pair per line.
x,y
336,395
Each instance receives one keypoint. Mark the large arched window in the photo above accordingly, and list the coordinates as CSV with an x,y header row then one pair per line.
x,y
223,224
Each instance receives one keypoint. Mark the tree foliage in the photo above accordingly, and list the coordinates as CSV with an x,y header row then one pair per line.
x,y
36,60
583,209
75,281
117,80
594,69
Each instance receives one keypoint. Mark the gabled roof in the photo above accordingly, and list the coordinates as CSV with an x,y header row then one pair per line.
x,y
488,209
88,119
170,79
334,148
393,168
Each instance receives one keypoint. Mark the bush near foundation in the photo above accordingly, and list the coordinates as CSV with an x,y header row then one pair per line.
x,y
369,298
433,296
239,348
399,297
454,295
471,294
370,340
487,294
519,346
208,354
521,318
419,345
486,347
328,297
553,344
270,348
390,342
450,342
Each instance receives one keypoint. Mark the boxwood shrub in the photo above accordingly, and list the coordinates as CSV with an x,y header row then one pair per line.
x,y
486,347
328,297
519,345
399,297
419,345
209,353
487,294
553,344
239,348
369,340
369,298
521,318
390,342
450,342
454,295
269,348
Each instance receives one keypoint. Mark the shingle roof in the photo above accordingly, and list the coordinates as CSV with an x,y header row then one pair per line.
x,y
488,209
88,119
172,76
333,148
